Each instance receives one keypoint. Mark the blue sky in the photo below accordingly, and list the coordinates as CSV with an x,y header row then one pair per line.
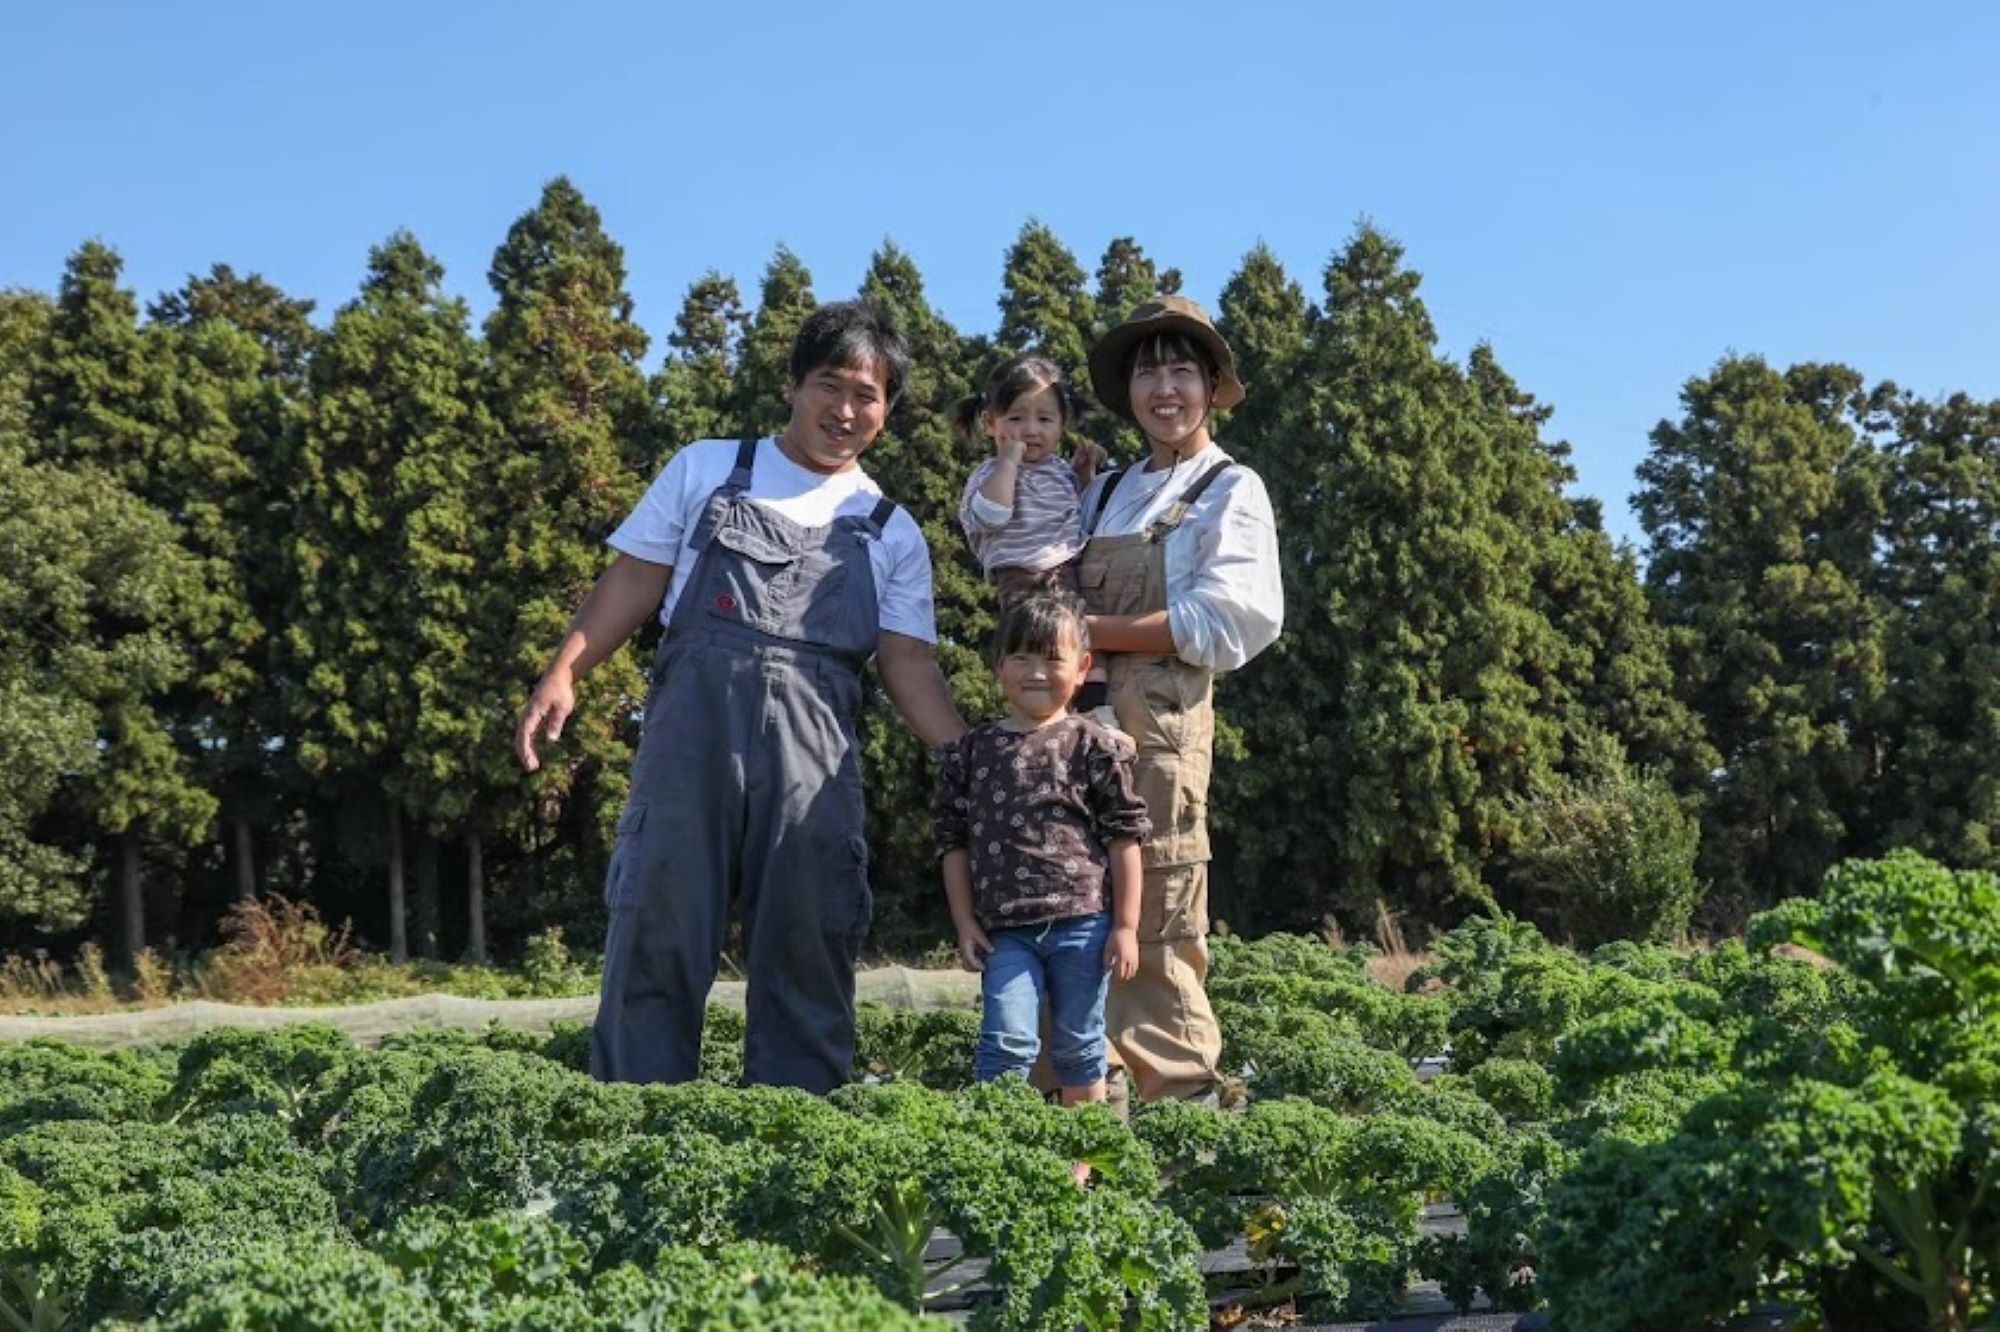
x,y
1614,196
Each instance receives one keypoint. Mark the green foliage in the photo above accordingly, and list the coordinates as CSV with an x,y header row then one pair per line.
x,y
480,1133
100,609
578,443
1854,1174
1336,1197
1044,306
1760,505
126,1210
1505,1213
1937,791
242,1071
1522,1091
763,375
693,387
918,463
1609,852
1425,677
45,1080
384,542
1409,1025
434,1274
933,1047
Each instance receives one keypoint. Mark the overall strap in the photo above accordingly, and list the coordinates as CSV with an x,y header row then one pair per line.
x,y
737,482
1112,478
877,521
746,458
1178,510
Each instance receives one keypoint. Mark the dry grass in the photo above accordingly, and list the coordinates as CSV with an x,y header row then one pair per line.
x,y
1393,965
1394,961
269,945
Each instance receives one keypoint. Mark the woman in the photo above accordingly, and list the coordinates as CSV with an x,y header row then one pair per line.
x,y
1180,576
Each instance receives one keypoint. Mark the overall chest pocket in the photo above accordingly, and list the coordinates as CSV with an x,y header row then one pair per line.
x,y
757,579
1113,586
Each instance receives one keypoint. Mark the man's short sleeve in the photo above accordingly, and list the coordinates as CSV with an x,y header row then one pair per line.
x,y
653,530
905,598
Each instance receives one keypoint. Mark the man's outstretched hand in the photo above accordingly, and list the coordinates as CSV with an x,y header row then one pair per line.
x,y
548,708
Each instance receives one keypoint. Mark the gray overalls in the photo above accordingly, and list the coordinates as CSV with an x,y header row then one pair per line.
x,y
746,791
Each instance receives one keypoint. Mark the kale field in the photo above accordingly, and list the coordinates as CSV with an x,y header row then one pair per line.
x,y
1640,1138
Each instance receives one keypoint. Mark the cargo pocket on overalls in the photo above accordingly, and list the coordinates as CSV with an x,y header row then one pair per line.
x,y
1165,703
622,880
853,904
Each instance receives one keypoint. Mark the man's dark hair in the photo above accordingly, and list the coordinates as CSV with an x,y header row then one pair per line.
x,y
1039,622
849,335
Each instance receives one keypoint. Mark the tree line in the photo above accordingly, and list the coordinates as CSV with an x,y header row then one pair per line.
x,y
271,593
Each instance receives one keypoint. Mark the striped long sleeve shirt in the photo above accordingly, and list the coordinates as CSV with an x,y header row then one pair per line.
x,y
1042,530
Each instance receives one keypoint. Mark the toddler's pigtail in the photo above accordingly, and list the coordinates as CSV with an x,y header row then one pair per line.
x,y
965,418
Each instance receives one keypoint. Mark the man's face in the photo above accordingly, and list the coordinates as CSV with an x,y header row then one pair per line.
x,y
837,411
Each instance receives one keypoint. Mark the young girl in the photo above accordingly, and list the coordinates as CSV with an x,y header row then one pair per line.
x,y
1039,828
1019,510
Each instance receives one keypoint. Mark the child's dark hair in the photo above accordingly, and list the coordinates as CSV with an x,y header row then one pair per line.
x,y
1039,622
850,334
1013,379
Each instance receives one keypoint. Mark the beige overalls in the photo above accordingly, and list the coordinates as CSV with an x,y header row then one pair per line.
x,y
1160,1021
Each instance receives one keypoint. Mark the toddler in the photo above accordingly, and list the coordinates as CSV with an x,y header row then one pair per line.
x,y
1020,509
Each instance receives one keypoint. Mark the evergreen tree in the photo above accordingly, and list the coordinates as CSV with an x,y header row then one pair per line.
x,y
1043,304
1267,321
103,398
1612,675
580,445
1760,507
763,372
695,388
99,608
238,349
24,322
96,375
1938,787
1415,648
385,551
918,464
1125,277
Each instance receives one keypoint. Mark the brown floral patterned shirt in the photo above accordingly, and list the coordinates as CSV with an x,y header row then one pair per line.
x,y
1036,812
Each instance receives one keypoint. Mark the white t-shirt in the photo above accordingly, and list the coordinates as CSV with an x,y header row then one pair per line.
x,y
658,530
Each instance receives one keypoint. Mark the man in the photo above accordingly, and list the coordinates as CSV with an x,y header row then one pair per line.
x,y
778,569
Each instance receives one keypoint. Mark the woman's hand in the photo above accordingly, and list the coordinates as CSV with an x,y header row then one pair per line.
x,y
1087,462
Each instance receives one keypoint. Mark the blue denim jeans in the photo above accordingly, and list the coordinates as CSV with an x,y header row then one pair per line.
x,y
1064,961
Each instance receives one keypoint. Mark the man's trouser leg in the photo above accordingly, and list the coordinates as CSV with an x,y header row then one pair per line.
x,y
672,869
806,902
1161,1020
